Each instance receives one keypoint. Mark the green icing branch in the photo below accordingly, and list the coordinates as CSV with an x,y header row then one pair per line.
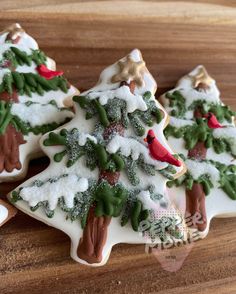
x,y
199,131
101,113
28,83
5,116
227,182
145,220
138,214
133,209
82,203
72,147
115,111
79,211
109,199
21,56
187,180
177,102
222,112
112,201
168,172
227,179
97,156
25,128
17,57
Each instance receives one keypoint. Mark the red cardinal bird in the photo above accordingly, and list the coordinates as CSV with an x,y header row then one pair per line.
x,y
212,121
158,151
48,73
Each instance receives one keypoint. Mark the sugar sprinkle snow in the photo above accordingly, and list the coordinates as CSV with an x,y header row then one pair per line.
x,y
80,138
228,133
52,191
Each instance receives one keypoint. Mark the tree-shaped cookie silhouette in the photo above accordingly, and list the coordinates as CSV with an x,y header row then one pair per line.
x,y
106,185
32,100
202,130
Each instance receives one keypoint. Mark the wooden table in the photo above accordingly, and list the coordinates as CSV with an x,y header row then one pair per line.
x,y
173,37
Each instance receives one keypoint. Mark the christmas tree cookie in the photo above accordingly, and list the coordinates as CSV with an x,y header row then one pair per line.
x,y
202,130
32,100
106,183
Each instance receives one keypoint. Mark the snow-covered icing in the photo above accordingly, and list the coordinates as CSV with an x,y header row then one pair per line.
x,y
65,187
81,138
127,146
58,96
179,123
84,137
185,86
130,146
27,69
133,102
228,133
105,84
225,132
148,203
26,40
3,213
38,114
197,169
217,203
6,46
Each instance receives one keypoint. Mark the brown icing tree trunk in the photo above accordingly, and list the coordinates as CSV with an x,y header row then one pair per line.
x,y
95,232
94,237
10,141
195,198
9,149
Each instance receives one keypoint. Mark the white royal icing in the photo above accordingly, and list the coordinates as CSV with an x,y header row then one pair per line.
x,y
65,187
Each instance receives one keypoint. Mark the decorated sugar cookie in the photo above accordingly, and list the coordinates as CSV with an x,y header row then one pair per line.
x,y
202,130
7,211
106,183
32,100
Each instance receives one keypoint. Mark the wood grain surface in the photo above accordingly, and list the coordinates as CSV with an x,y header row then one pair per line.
x,y
84,37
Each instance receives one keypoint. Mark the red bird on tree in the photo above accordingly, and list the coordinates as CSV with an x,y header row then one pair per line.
x,y
158,151
48,73
212,121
